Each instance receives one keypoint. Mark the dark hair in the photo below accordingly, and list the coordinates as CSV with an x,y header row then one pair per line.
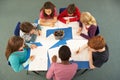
x,y
14,43
71,8
48,5
64,53
96,42
26,27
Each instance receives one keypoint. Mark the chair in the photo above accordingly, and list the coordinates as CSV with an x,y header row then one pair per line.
x,y
97,31
61,10
36,20
17,29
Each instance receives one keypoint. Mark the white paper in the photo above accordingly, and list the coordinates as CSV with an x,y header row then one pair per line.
x,y
41,61
74,45
49,41
52,52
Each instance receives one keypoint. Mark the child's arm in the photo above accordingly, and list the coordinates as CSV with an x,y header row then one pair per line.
x,y
32,46
90,60
45,22
28,61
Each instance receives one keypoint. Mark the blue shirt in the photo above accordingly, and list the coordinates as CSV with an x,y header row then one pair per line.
x,y
16,59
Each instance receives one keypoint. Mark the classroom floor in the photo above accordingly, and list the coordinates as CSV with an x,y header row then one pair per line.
x,y
106,13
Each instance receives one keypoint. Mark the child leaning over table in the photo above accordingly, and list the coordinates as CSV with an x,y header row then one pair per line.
x,y
98,51
64,70
16,54
88,25
48,14
71,11
29,33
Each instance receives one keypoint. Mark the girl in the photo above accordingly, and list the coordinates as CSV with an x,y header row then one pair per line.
x,y
48,14
88,25
16,54
64,70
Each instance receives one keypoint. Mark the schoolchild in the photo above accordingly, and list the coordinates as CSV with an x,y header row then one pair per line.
x,y
71,11
64,70
16,54
88,25
48,14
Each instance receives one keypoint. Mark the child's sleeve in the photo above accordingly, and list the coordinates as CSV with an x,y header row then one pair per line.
x,y
28,44
50,72
26,63
15,64
38,27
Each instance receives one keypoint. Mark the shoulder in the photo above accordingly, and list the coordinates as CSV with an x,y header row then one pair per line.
x,y
74,64
92,27
77,8
13,57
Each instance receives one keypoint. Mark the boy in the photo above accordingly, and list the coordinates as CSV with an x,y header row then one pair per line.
x,y
70,11
98,51
28,32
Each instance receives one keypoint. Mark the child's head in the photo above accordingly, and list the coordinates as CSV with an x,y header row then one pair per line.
x,y
71,9
48,9
15,43
64,53
96,43
27,27
87,19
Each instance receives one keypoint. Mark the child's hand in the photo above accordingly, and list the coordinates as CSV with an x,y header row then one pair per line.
x,y
92,66
54,59
32,58
33,46
52,25
39,32
78,51
79,31
67,21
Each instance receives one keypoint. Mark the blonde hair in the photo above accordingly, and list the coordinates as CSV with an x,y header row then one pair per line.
x,y
87,19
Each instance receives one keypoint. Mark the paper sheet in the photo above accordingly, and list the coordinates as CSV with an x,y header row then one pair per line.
x,y
41,61
74,45
52,52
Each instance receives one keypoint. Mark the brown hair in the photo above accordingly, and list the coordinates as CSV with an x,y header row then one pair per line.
x,y
64,53
48,5
14,43
71,8
26,27
96,42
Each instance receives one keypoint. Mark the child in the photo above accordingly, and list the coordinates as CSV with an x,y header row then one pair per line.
x,y
48,14
98,51
70,11
64,70
16,54
28,33
88,25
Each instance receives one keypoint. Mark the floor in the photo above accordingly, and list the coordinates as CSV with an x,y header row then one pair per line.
x,y
106,13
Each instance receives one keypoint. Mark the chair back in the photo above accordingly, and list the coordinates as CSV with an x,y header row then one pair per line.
x,y
9,63
61,10
36,20
17,29
97,31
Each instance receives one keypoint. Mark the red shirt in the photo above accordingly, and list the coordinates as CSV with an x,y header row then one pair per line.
x,y
76,16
